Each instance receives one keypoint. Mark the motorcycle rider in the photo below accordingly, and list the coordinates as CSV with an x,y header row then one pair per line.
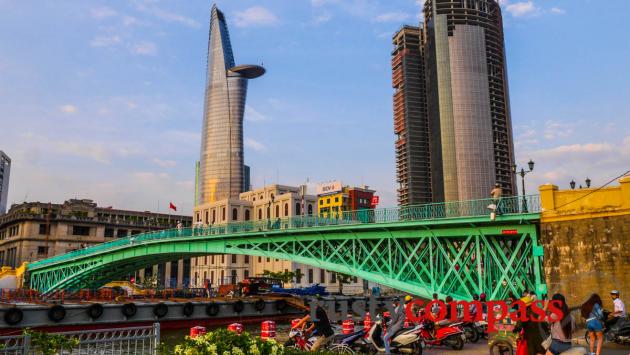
x,y
325,332
619,311
396,322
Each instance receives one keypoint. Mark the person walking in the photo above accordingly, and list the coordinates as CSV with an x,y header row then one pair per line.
x,y
561,327
496,194
593,313
395,324
530,331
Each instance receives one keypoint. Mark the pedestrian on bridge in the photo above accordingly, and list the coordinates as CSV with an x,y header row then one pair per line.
x,y
496,194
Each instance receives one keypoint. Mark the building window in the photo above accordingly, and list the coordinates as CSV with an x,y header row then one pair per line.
x,y
298,209
310,276
322,276
247,215
109,233
336,199
199,217
234,214
286,209
268,259
233,278
246,259
268,212
223,214
212,276
328,200
205,276
121,233
80,230
43,229
233,258
212,259
321,202
207,220
245,274
222,259
214,216
333,277
260,259
310,209
42,251
260,213
205,260
222,277
277,211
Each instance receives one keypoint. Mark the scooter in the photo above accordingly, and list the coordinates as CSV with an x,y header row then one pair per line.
x,y
406,341
618,333
448,335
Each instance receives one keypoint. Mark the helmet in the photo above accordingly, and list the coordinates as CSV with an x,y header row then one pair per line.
x,y
408,298
476,297
482,296
614,292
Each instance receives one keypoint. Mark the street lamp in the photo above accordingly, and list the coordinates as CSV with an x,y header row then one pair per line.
x,y
572,183
588,182
522,173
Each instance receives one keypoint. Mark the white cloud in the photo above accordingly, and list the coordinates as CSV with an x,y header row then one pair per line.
x,y
105,41
392,17
253,115
70,109
168,16
164,163
255,16
521,9
144,48
319,3
255,145
322,18
555,130
558,11
102,12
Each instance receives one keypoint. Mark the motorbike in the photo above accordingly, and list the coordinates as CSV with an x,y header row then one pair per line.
x,y
406,341
470,331
618,333
341,343
448,335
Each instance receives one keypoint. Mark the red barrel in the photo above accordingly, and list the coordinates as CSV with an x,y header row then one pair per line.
x,y
236,328
348,325
268,330
367,324
198,330
294,322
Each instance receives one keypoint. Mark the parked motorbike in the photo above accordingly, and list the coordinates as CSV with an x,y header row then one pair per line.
x,y
470,331
406,341
341,343
448,335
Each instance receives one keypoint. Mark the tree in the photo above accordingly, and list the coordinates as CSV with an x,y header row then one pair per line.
x,y
286,276
343,279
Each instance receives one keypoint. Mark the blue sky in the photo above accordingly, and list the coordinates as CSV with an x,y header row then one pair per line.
x,y
104,99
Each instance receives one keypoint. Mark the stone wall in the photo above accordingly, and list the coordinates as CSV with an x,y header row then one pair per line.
x,y
583,256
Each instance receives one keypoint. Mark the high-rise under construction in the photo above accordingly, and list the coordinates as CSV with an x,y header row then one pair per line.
x,y
451,111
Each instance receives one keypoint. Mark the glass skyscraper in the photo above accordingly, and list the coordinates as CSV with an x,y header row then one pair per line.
x,y
221,168
466,100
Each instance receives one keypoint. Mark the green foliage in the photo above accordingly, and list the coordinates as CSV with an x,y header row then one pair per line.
x,y
225,342
285,276
50,344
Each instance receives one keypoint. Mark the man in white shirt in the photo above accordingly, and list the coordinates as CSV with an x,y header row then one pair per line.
x,y
619,311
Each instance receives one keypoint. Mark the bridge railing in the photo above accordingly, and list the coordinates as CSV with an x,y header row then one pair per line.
x,y
432,211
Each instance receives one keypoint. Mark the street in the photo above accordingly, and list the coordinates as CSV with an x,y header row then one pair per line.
x,y
482,348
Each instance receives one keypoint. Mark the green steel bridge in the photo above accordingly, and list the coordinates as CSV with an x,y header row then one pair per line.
x,y
447,248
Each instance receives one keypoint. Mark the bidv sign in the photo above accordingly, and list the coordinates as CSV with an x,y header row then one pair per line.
x,y
329,188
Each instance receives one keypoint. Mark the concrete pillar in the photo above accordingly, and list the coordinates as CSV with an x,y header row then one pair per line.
x,y
547,197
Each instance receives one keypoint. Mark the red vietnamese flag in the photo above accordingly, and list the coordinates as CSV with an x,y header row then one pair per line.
x,y
172,206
